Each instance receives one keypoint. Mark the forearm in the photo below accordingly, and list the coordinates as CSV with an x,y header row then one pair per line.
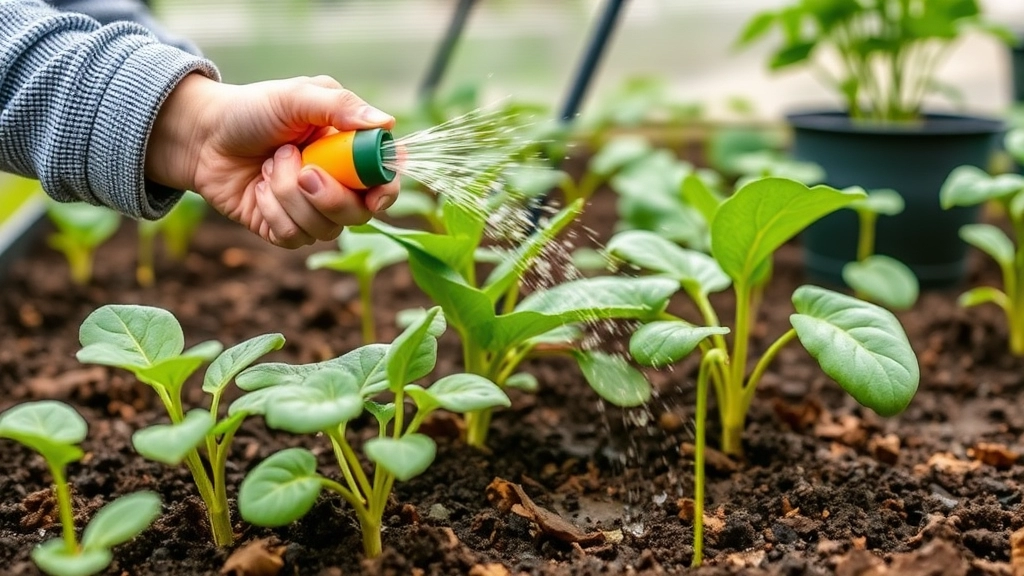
x,y
79,102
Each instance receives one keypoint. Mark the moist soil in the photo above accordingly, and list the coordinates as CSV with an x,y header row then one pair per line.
x,y
826,487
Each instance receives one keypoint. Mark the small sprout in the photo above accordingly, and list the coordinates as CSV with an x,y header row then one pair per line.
x,y
362,256
81,229
969,186
876,277
54,430
178,226
149,343
323,398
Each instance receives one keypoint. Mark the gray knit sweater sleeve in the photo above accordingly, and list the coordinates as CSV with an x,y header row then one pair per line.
x,y
78,101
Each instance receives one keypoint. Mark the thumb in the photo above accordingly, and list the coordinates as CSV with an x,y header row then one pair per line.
x,y
337,107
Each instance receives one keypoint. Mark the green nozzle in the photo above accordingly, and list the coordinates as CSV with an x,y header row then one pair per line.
x,y
369,156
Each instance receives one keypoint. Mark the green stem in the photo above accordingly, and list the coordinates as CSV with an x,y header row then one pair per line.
x,y
353,461
218,514
866,240
366,303
80,262
369,525
219,459
762,365
346,470
478,423
144,274
67,517
706,365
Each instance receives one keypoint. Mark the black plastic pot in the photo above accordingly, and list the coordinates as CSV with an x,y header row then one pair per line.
x,y
1018,72
913,160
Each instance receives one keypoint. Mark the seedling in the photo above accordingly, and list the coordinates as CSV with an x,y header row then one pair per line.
x,y
970,186
499,331
54,430
323,398
149,343
362,256
876,277
177,227
860,345
81,228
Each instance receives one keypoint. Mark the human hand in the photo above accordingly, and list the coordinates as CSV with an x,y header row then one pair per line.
x,y
238,147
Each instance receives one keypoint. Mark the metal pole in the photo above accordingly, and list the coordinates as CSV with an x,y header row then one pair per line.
x,y
591,58
444,52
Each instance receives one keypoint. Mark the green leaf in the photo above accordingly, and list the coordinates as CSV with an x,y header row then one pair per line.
x,y
384,413
403,351
53,558
359,253
512,268
990,240
237,358
756,27
171,443
859,345
983,295
325,400
84,224
695,271
254,402
523,381
969,186
533,181
885,201
281,489
412,203
365,364
464,306
460,393
121,520
561,336
1014,143
613,378
764,215
883,280
455,251
696,193
171,373
589,260
661,343
405,457
617,154
791,55
49,427
128,336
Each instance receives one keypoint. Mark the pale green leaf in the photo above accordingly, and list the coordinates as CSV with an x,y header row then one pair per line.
x,y
281,489
462,393
697,194
121,520
990,240
53,558
984,295
859,345
613,378
49,427
886,202
405,457
695,271
969,186
618,153
662,343
323,401
139,335
237,358
171,443
883,280
523,381
404,350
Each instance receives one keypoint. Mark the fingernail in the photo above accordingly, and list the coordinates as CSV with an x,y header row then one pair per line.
x,y
310,181
385,202
284,153
268,166
374,116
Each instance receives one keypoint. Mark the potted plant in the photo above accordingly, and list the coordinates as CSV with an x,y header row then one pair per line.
x,y
886,54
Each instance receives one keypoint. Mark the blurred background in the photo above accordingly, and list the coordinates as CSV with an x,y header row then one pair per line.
x,y
528,49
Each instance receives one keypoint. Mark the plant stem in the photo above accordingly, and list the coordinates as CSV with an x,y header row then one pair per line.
x,y
714,357
866,240
370,529
762,365
478,423
730,404
144,274
80,261
366,303
217,512
67,518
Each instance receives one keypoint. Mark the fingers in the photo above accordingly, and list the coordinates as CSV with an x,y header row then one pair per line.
x,y
321,101
302,205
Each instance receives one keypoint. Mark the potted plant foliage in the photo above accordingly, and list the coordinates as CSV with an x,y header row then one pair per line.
x,y
886,55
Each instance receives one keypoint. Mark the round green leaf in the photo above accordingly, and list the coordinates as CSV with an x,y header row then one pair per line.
x,y
281,489
466,393
614,379
970,185
325,399
859,345
662,343
53,558
696,271
983,295
886,202
171,443
49,427
121,520
523,381
129,336
405,457
1014,143
618,153
237,358
990,240
380,250
883,280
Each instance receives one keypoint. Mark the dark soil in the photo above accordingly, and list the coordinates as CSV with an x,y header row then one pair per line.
x,y
827,487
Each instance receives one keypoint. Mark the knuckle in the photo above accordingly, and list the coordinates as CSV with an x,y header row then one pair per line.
x,y
325,81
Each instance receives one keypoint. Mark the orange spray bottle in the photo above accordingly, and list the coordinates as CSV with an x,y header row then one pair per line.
x,y
356,158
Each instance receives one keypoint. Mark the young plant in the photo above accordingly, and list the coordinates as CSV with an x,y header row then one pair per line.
x,y
970,186
177,227
876,277
362,256
149,343
888,52
323,398
54,430
81,228
499,330
860,345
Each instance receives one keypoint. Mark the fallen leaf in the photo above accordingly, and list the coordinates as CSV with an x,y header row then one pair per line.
x,y
997,455
491,569
947,462
510,497
848,429
714,459
1017,552
257,558
797,416
885,449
